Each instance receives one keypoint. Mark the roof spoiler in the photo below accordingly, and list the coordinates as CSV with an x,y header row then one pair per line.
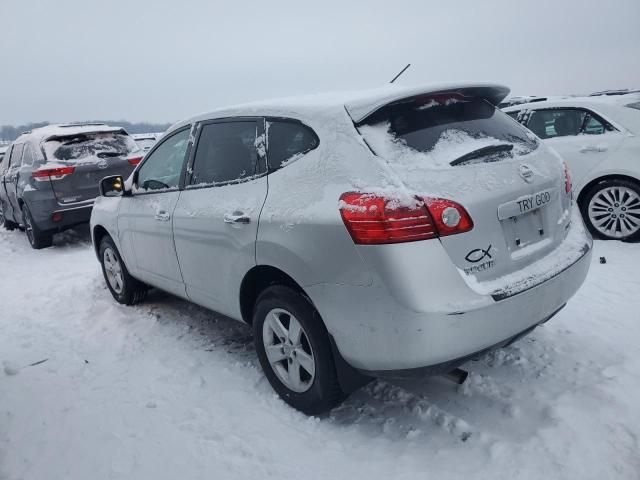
x,y
363,108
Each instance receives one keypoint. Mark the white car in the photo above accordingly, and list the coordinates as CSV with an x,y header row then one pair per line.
x,y
599,138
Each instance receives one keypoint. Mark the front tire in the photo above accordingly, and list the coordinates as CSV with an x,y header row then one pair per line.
x,y
124,288
611,210
294,350
38,239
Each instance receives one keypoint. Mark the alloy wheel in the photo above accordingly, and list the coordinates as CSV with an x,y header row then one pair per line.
x,y
615,212
113,270
288,350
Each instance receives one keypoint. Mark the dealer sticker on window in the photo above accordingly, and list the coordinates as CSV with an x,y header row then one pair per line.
x,y
526,204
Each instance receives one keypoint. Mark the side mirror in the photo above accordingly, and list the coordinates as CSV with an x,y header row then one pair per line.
x,y
112,186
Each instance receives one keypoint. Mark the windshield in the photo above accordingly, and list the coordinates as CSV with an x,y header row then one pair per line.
x,y
91,145
447,127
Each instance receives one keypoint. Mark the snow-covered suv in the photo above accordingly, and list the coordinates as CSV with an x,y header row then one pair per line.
x,y
387,233
599,138
49,176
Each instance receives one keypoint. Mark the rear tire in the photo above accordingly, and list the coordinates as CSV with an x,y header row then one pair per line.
x,y
124,288
37,238
300,366
611,210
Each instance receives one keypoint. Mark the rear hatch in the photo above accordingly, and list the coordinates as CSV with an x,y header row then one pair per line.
x,y
459,147
85,159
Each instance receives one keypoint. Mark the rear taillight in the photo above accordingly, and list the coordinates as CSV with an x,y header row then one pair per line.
x,y
45,174
134,160
567,179
373,219
449,217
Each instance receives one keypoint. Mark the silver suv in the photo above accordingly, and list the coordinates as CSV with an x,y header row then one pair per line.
x,y
391,233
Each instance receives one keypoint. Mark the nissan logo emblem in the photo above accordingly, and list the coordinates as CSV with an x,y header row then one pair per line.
x,y
526,173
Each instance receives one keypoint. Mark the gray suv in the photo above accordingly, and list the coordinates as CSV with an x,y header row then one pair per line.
x,y
49,176
389,233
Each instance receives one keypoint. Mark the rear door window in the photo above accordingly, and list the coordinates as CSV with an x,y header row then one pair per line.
x,y
288,140
226,152
74,148
445,127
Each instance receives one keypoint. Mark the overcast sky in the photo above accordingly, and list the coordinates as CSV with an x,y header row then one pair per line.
x,y
160,60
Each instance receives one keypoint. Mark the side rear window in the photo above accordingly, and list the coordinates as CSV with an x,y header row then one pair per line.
x,y
226,152
16,155
288,140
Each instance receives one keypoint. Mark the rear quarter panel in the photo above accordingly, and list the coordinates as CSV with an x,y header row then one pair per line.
x,y
301,231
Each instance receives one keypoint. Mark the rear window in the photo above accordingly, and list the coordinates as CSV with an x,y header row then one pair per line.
x,y
445,128
90,145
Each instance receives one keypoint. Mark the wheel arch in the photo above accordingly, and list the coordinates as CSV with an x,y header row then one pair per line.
x,y
256,280
98,233
614,176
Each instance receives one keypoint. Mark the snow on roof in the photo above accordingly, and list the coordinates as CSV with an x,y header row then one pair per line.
x,y
579,101
359,104
62,130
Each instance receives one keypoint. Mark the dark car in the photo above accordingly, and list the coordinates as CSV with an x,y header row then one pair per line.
x,y
49,176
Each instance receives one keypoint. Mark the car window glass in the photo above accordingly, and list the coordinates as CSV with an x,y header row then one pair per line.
x,y
287,141
161,170
556,123
226,152
27,156
4,161
16,155
593,126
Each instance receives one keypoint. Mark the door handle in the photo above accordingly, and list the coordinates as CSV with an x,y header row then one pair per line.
x,y
236,217
162,216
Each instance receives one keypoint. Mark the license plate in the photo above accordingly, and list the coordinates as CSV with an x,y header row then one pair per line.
x,y
526,204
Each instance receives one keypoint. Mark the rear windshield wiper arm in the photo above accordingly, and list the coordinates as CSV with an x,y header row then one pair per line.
x,y
483,152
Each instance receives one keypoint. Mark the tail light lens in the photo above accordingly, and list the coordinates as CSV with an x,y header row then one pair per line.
x,y
567,178
134,160
373,220
449,217
45,174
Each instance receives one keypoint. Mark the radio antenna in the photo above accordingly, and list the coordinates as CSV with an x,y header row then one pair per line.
x,y
401,72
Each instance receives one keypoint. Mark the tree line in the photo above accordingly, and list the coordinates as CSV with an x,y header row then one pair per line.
x,y
10,132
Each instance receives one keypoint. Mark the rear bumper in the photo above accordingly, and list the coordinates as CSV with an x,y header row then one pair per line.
x,y
43,206
378,333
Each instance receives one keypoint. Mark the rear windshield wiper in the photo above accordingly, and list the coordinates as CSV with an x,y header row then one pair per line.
x,y
483,152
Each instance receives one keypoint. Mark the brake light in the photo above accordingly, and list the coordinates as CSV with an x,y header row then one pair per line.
x,y
567,178
373,220
44,174
134,160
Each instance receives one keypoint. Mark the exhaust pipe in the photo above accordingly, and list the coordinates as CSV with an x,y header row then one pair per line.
x,y
457,375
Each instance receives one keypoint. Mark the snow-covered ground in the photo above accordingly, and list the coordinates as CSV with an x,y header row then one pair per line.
x,y
167,390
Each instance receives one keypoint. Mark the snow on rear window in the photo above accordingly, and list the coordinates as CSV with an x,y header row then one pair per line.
x,y
444,130
89,146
